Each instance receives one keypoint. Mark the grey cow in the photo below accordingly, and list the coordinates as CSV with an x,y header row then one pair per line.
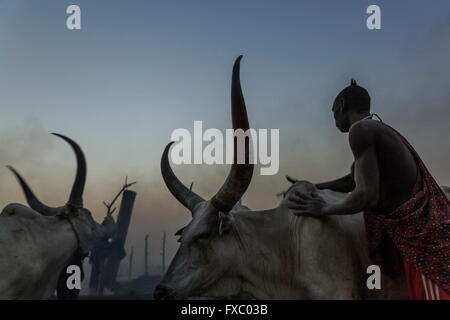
x,y
271,254
37,243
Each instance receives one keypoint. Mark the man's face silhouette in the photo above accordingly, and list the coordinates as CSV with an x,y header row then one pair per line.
x,y
340,114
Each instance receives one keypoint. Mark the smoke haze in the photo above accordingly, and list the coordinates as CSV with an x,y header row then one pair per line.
x,y
119,91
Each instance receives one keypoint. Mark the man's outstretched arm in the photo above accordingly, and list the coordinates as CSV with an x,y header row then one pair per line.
x,y
344,184
365,195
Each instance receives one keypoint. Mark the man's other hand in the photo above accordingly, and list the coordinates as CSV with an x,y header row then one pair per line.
x,y
304,205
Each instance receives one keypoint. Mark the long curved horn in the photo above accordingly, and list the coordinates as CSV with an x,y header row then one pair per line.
x,y
240,175
76,195
186,197
32,200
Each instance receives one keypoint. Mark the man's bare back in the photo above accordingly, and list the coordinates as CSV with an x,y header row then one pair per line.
x,y
397,167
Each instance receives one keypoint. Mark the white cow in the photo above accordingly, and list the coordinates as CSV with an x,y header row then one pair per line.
x,y
37,243
269,254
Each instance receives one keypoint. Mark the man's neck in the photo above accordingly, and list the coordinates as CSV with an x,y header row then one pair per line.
x,y
355,117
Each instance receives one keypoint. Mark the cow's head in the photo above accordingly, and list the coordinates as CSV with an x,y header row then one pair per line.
x,y
206,253
87,230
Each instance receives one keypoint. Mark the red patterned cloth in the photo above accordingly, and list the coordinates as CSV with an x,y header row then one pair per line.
x,y
420,288
417,233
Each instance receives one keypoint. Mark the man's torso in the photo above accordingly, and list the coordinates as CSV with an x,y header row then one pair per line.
x,y
396,165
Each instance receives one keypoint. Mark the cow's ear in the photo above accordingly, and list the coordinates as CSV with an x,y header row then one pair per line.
x,y
290,179
225,222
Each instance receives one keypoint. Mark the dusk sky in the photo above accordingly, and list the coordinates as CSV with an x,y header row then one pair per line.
x,y
137,70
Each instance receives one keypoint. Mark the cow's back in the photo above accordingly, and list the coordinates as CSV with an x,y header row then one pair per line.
x,y
333,254
353,229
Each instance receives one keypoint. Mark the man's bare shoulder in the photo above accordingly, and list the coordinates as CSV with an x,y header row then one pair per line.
x,y
369,129
364,133
369,126
363,129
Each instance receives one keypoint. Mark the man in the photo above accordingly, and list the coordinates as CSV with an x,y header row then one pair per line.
x,y
407,215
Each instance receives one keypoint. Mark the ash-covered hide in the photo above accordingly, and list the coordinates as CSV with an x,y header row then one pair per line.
x,y
38,243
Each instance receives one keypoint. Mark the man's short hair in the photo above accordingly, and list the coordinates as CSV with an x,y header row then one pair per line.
x,y
356,98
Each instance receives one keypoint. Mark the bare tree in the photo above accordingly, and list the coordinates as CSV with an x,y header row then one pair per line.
x,y
109,206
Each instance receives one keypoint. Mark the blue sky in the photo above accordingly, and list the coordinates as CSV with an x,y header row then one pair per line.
x,y
154,58
140,69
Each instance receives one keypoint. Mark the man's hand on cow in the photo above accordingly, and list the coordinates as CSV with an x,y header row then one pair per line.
x,y
304,205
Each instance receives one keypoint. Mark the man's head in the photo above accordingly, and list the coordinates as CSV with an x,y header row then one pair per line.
x,y
350,102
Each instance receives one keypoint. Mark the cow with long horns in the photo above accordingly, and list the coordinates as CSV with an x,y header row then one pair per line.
x,y
37,243
227,250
